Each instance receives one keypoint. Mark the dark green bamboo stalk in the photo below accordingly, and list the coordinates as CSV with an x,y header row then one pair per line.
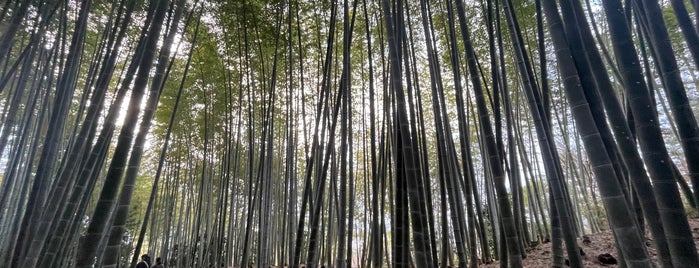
x,y
618,212
99,221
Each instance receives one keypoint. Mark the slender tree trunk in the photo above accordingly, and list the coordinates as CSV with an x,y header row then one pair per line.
x,y
618,212
99,220
682,112
49,153
122,210
651,142
9,34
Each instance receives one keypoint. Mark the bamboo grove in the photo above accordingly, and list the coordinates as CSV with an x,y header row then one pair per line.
x,y
346,133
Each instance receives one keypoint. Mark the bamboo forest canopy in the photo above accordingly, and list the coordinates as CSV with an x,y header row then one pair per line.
x,y
353,133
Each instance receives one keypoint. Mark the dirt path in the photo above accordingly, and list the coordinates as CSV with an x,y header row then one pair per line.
x,y
602,242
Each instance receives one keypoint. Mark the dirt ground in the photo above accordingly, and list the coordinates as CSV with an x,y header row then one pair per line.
x,y
602,242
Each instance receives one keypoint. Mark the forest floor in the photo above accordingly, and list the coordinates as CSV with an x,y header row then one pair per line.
x,y
600,243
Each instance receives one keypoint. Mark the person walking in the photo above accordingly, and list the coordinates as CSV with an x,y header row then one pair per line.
x,y
158,263
145,262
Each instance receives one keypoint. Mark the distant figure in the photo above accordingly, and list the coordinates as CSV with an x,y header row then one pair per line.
x,y
158,263
145,262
